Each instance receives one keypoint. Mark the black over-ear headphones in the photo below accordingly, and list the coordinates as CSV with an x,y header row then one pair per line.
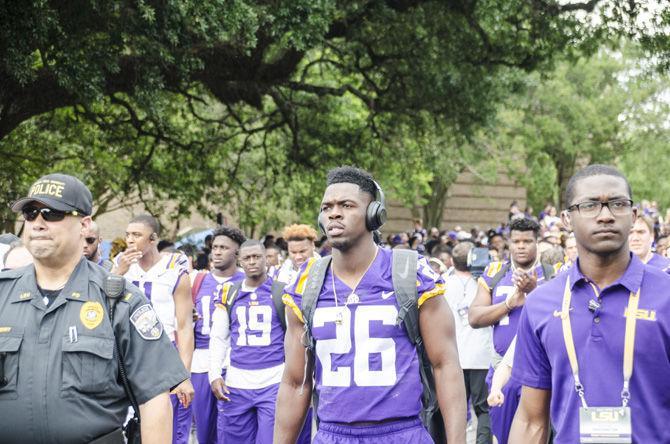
x,y
375,215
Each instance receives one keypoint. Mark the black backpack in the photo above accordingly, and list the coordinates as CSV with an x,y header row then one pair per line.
x,y
277,291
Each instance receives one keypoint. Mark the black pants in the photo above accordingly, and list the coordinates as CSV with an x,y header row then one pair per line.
x,y
477,392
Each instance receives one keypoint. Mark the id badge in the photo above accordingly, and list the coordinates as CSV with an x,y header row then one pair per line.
x,y
605,425
463,314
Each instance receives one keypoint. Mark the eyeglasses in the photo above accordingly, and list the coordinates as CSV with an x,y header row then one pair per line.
x,y
48,214
592,208
90,240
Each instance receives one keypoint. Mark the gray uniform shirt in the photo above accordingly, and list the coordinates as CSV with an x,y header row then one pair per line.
x,y
62,375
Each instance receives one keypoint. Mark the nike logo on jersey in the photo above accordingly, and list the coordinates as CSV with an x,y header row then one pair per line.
x,y
386,294
560,314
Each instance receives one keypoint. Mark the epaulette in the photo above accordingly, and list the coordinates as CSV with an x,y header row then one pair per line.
x,y
14,274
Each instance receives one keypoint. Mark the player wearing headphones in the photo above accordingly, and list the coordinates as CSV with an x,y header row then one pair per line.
x,y
164,280
365,368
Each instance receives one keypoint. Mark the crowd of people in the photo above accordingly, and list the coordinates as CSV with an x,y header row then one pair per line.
x,y
521,328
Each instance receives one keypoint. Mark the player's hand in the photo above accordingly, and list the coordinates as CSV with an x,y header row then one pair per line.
x,y
525,282
184,392
516,299
496,398
128,257
220,390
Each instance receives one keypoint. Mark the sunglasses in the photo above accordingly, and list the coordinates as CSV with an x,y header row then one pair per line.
x,y
48,214
90,240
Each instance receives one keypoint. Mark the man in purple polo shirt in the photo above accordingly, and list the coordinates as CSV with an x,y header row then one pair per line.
x,y
500,297
365,368
226,242
602,323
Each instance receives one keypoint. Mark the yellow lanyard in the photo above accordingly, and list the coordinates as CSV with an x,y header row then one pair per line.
x,y
629,344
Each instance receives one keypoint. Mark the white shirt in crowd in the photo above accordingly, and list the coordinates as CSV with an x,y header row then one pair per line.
x,y
474,345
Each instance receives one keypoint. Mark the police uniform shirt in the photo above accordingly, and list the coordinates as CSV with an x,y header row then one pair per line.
x,y
62,382
541,361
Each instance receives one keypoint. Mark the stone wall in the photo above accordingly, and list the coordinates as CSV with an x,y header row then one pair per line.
x,y
470,203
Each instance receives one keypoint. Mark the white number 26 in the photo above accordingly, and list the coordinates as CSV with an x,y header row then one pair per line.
x,y
364,346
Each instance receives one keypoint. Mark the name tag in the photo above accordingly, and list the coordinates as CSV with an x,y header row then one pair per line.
x,y
605,425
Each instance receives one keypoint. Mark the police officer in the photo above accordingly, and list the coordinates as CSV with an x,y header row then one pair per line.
x,y
59,376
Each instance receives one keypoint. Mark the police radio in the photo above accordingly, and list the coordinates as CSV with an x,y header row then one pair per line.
x,y
478,260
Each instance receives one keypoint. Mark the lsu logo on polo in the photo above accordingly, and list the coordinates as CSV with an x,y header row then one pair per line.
x,y
146,322
91,314
47,188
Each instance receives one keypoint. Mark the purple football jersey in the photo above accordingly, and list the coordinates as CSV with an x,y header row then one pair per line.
x,y
256,333
204,306
366,367
505,329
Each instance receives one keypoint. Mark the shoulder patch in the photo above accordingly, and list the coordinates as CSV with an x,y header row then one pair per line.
x,y
146,322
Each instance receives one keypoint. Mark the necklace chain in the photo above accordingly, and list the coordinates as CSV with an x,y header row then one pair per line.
x,y
332,281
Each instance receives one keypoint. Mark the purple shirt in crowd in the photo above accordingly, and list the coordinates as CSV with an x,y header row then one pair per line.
x,y
505,329
256,333
366,367
660,262
208,293
541,360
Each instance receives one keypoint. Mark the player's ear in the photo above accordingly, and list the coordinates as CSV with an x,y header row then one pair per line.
x,y
565,218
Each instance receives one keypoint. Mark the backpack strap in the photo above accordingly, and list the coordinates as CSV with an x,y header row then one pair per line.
x,y
499,276
277,291
548,271
232,295
403,272
315,278
197,284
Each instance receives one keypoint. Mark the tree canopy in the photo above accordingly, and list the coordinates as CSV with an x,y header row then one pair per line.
x,y
245,103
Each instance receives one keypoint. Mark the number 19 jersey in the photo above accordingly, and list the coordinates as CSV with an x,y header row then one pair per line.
x,y
366,369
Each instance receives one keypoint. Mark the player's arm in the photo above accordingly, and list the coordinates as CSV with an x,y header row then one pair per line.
x,y
436,323
219,345
156,414
531,422
183,304
482,313
295,389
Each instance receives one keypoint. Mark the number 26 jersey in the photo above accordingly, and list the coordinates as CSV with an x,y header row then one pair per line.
x,y
366,367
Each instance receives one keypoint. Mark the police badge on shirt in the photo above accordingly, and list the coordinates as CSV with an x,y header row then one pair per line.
x,y
146,322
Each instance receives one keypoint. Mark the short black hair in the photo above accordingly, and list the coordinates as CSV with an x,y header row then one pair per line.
x,y
234,234
349,174
149,221
523,224
252,243
592,170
